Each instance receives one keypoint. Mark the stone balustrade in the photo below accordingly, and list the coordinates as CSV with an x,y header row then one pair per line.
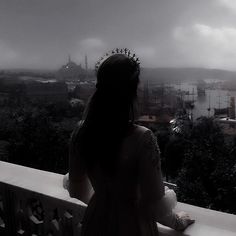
x,y
34,202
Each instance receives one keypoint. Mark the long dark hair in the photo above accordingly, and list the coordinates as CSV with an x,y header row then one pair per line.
x,y
109,114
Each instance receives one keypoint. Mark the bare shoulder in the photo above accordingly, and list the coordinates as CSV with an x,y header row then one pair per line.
x,y
141,135
146,137
142,130
135,135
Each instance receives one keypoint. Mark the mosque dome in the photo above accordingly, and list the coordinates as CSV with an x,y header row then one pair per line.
x,y
71,71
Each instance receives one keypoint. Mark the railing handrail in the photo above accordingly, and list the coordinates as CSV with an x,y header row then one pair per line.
x,y
35,180
48,187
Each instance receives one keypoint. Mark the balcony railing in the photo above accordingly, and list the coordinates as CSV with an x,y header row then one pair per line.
x,y
34,202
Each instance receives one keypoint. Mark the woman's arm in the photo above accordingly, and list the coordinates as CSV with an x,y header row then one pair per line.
x,y
165,215
79,183
80,189
153,201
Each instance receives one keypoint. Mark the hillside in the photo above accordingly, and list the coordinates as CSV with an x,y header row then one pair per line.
x,y
175,75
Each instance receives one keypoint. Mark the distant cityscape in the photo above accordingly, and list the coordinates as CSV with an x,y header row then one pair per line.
x,y
191,111
165,94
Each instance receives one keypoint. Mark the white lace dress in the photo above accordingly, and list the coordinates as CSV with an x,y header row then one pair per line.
x,y
133,201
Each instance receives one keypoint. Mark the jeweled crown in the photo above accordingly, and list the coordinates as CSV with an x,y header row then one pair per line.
x,y
124,51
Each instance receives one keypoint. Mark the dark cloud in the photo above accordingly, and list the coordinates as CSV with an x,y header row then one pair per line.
x,y
40,34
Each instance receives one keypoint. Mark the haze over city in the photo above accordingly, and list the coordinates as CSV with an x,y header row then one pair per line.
x,y
164,33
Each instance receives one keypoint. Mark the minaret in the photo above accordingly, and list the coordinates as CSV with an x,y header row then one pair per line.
x,y
69,59
86,63
232,108
209,106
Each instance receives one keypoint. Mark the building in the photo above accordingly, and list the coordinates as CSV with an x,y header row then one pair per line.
x,y
71,72
201,88
156,100
49,91
12,91
232,108
4,98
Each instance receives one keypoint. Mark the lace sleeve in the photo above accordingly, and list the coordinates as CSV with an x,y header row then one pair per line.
x,y
151,145
165,200
151,183
156,201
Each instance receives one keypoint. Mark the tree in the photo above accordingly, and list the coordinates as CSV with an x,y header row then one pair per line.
x,y
223,179
201,180
39,143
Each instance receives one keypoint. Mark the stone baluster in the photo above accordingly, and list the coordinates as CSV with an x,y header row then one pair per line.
x,y
52,221
9,211
2,218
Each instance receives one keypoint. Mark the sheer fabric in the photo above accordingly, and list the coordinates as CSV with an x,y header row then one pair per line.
x,y
129,203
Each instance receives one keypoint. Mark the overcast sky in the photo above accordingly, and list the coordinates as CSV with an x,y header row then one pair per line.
x,y
164,33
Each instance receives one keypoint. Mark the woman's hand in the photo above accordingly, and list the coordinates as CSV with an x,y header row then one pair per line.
x,y
183,220
66,181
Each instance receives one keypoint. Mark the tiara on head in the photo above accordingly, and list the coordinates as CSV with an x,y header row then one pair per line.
x,y
124,51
